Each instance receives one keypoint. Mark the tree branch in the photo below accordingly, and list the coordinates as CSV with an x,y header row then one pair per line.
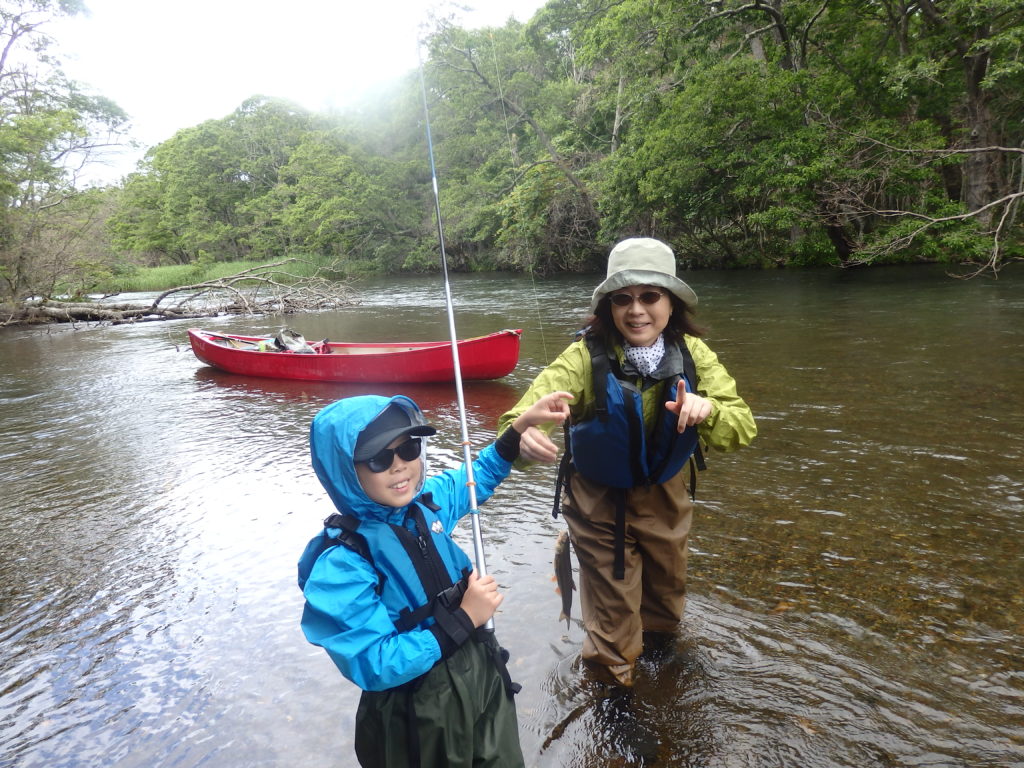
x,y
264,289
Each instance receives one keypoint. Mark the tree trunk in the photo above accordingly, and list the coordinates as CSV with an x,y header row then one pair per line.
x,y
981,182
982,179
617,123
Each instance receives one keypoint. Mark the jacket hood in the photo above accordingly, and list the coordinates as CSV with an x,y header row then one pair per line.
x,y
332,444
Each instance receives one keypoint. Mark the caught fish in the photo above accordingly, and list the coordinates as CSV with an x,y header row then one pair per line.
x,y
563,575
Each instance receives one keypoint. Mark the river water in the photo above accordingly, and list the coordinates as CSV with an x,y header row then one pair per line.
x,y
856,578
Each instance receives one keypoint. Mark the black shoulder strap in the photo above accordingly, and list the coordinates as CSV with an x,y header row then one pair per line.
x,y
422,552
689,367
349,525
427,500
564,475
351,539
430,569
600,363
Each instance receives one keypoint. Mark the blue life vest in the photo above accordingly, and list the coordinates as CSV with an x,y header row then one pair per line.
x,y
613,447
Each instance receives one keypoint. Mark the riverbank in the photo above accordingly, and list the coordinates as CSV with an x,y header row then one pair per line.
x,y
282,287
103,306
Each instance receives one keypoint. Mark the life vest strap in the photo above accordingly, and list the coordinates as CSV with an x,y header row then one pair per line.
x,y
350,538
564,475
499,657
445,601
423,555
600,363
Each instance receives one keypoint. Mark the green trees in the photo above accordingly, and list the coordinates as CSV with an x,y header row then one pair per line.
x,y
786,131
51,235
267,181
517,136
747,133
744,132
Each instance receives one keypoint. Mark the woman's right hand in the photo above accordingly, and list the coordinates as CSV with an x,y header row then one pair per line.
x,y
481,598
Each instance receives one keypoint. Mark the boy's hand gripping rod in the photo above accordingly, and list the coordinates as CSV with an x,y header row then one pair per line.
x,y
478,541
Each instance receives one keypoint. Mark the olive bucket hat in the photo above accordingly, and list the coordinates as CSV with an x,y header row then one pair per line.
x,y
643,261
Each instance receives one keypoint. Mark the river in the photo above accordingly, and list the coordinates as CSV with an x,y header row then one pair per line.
x,y
856,578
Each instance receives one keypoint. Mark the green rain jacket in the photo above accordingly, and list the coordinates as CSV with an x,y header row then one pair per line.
x,y
729,427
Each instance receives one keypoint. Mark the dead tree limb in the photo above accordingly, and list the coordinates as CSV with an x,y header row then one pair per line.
x,y
266,289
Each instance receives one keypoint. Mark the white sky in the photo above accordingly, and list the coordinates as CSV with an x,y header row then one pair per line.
x,y
171,65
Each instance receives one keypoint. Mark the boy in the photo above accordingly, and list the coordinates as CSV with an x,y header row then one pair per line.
x,y
395,602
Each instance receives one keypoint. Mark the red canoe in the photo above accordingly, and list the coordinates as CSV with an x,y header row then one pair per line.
x,y
482,357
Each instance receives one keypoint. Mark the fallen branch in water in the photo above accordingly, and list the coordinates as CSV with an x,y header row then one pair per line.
x,y
265,289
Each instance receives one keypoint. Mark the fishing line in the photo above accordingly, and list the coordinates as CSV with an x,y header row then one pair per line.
x,y
515,185
478,541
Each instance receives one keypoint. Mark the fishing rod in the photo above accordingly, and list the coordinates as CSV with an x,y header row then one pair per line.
x,y
474,512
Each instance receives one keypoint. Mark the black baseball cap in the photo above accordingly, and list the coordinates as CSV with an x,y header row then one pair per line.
x,y
393,422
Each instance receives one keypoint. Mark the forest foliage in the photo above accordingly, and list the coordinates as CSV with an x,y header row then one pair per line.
x,y
746,133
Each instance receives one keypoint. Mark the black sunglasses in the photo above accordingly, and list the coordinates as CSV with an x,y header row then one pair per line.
x,y
627,299
407,451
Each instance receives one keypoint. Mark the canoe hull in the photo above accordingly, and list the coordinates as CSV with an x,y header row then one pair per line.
x,y
483,357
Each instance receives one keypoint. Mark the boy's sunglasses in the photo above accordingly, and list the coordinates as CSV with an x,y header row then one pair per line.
x,y
627,299
406,451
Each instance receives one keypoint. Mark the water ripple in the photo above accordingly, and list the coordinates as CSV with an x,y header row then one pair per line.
x,y
855,579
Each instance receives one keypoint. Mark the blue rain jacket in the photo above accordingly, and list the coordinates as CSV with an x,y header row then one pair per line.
x,y
344,613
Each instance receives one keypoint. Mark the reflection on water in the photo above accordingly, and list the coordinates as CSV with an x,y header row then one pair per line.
x,y
855,580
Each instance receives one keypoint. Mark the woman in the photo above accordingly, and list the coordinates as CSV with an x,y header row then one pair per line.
x,y
645,388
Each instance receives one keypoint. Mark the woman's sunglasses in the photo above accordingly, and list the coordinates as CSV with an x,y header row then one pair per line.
x,y
383,460
627,299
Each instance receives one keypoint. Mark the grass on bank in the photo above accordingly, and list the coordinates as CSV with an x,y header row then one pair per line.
x,y
162,278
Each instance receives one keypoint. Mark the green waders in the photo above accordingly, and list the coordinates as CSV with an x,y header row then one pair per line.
x,y
464,716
